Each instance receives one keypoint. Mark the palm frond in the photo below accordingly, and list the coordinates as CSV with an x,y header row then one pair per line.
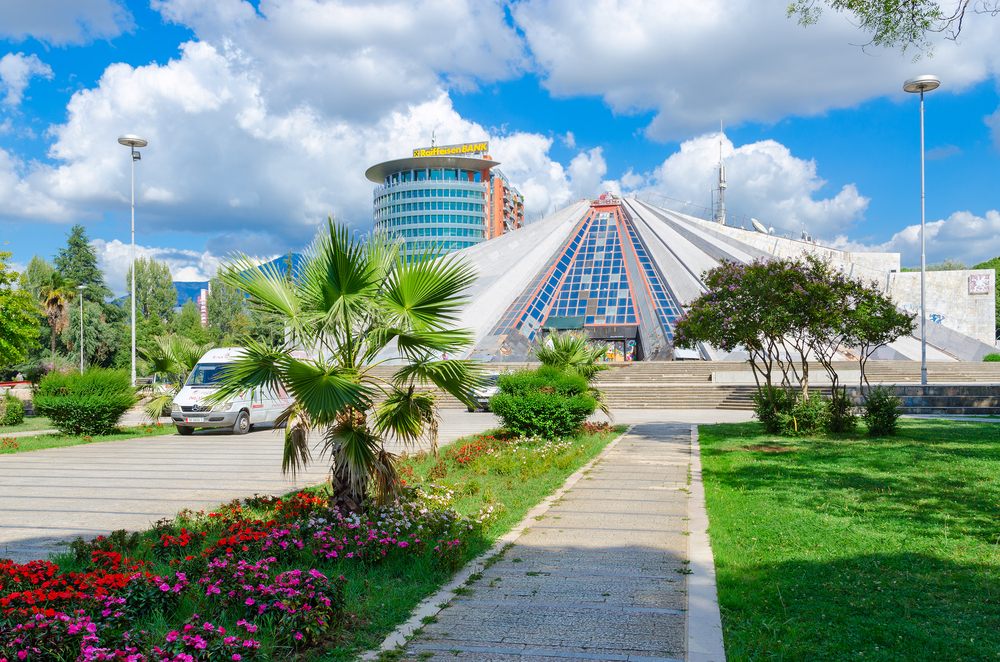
x,y
404,415
295,455
260,366
384,477
270,293
455,376
325,391
337,281
425,293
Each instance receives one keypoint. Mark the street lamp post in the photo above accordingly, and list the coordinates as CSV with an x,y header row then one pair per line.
x,y
80,289
922,84
131,140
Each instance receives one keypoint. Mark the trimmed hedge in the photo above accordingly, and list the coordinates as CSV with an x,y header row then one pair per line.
x,y
11,410
90,403
546,402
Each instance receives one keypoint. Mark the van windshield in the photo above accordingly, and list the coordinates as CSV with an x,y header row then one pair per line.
x,y
207,374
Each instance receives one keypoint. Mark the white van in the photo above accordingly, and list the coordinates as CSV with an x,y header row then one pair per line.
x,y
189,410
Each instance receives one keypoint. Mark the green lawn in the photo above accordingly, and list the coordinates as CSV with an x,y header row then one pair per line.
x,y
38,442
32,423
857,549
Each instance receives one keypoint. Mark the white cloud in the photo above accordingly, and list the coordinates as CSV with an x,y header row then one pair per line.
x,y
63,22
356,60
962,236
764,180
694,63
115,257
16,70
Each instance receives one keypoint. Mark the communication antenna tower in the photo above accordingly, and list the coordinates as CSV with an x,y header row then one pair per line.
x,y
433,139
720,196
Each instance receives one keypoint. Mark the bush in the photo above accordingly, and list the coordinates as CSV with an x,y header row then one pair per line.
x,y
806,417
841,412
881,411
90,403
11,410
546,402
991,357
770,404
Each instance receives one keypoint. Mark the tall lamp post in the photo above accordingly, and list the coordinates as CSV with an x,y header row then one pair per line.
x,y
922,84
80,289
131,140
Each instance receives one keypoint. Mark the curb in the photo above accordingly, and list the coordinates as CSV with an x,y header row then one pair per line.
x,y
704,622
431,606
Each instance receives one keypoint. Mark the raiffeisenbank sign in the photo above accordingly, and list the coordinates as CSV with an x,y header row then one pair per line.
x,y
453,150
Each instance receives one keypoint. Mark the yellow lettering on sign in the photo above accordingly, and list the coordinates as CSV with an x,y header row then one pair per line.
x,y
450,150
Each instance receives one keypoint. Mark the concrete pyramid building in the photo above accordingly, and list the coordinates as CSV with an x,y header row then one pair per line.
x,y
621,271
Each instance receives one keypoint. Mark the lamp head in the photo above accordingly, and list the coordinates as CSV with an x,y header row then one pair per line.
x,y
924,83
132,140
81,287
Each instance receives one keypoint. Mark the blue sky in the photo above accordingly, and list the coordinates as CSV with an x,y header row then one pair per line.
x,y
262,118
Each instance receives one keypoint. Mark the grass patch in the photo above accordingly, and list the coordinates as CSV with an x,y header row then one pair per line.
x,y
30,423
38,442
864,549
480,487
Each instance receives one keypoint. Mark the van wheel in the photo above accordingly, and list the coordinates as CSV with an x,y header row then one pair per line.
x,y
242,424
184,430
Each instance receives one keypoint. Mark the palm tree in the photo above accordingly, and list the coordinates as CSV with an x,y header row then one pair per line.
x,y
171,357
349,303
55,294
571,353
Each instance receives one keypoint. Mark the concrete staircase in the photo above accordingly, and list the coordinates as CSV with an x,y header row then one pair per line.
x,y
690,385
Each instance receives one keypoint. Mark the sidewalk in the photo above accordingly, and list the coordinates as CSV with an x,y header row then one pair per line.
x,y
604,574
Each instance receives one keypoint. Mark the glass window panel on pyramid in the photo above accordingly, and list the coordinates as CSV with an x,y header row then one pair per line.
x,y
600,280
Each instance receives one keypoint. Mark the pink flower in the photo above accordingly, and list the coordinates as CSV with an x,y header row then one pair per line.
x,y
298,636
237,657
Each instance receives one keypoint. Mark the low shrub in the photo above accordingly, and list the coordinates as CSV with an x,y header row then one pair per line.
x,y
770,404
545,402
11,410
805,417
841,412
881,411
992,357
89,403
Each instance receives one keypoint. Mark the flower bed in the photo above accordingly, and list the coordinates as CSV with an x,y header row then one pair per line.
x,y
272,578
249,565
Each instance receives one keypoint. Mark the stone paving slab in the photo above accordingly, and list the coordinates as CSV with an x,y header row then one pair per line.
x,y
534,586
601,576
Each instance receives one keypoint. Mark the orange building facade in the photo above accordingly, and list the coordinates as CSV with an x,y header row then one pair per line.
x,y
444,198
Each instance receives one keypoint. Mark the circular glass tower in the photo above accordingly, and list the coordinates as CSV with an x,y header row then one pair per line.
x,y
439,202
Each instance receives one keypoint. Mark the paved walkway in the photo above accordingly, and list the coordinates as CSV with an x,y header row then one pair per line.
x,y
54,495
604,574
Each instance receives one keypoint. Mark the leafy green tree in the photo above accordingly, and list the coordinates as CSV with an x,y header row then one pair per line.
x,y
227,310
873,322
897,23
948,265
351,301
155,294
18,324
784,311
77,262
35,275
102,334
188,323
55,295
